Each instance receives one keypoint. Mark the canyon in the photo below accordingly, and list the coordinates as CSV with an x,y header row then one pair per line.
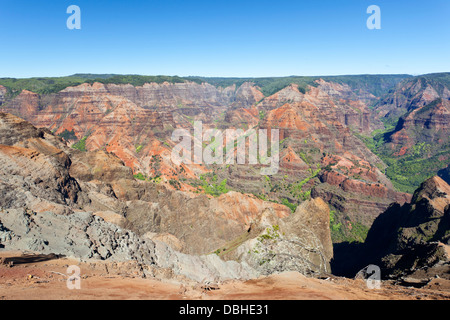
x,y
87,172
136,123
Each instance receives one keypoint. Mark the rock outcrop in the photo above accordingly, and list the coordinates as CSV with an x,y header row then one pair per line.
x,y
201,223
425,219
300,242
84,236
33,170
408,239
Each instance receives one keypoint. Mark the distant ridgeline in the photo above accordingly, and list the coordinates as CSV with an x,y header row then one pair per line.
x,y
374,84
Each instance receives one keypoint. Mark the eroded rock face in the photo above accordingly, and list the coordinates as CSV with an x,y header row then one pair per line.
x,y
98,165
315,216
84,236
317,131
300,242
33,169
134,124
79,235
405,238
423,220
358,176
423,107
202,223
43,178
44,192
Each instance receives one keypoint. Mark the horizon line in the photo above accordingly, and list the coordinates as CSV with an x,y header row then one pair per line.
x,y
223,77
81,74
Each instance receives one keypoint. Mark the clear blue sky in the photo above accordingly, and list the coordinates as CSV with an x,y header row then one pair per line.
x,y
223,38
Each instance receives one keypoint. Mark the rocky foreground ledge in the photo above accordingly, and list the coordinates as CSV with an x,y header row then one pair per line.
x,y
44,277
273,245
86,237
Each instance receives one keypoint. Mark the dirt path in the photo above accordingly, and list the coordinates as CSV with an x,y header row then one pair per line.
x,y
41,277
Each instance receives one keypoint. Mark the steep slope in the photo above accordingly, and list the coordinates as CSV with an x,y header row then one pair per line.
x,y
300,242
411,94
34,170
135,123
91,239
425,219
416,143
411,241
319,155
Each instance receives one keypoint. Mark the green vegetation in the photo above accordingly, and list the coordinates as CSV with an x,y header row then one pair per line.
x,y
358,232
291,206
268,85
262,115
39,85
438,79
136,80
271,234
334,225
143,177
211,187
375,84
349,231
68,135
51,85
155,165
175,183
287,192
407,171
140,176
296,190
139,148
156,179
81,145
